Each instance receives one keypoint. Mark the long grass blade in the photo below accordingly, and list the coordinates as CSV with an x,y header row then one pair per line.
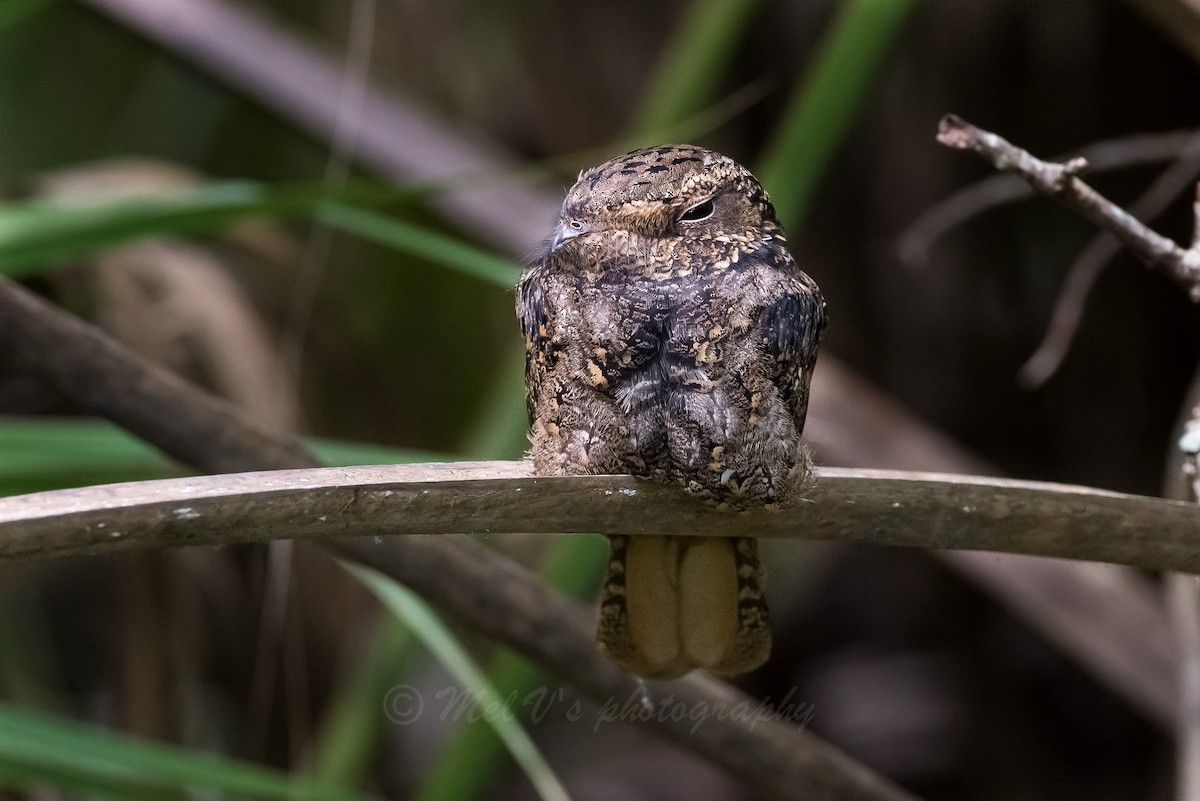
x,y
438,248
425,624
40,232
690,69
40,749
469,763
38,453
820,113
355,725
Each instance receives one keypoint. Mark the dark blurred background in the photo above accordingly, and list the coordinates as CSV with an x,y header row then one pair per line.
x,y
910,666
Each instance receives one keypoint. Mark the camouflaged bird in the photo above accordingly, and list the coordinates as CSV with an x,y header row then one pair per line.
x,y
669,334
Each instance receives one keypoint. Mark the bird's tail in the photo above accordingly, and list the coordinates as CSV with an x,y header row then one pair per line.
x,y
675,604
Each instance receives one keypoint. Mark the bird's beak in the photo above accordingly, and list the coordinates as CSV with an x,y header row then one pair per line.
x,y
565,232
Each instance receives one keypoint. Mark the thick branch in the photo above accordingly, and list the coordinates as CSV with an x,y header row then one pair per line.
x,y
1060,181
106,379
885,507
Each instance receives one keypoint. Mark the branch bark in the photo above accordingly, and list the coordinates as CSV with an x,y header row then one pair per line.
x,y
926,510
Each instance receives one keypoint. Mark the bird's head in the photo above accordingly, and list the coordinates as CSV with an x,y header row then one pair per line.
x,y
674,192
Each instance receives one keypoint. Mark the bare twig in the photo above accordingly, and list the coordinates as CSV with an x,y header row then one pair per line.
x,y
1060,181
1183,265
1125,152
1068,309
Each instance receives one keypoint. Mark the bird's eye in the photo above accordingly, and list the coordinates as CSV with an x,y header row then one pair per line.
x,y
701,211
577,225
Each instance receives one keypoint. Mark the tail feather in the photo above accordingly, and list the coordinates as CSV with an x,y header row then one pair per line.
x,y
675,604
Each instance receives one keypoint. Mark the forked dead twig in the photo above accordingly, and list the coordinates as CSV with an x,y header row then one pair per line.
x,y
1062,182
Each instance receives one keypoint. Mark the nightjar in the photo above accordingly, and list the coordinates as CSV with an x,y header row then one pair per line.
x,y
669,334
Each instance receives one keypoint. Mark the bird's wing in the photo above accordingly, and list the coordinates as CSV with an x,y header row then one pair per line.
x,y
791,327
535,325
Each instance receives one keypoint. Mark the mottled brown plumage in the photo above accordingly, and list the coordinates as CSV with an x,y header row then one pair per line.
x,y
670,334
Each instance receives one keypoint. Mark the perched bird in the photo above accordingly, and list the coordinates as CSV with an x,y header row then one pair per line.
x,y
669,334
